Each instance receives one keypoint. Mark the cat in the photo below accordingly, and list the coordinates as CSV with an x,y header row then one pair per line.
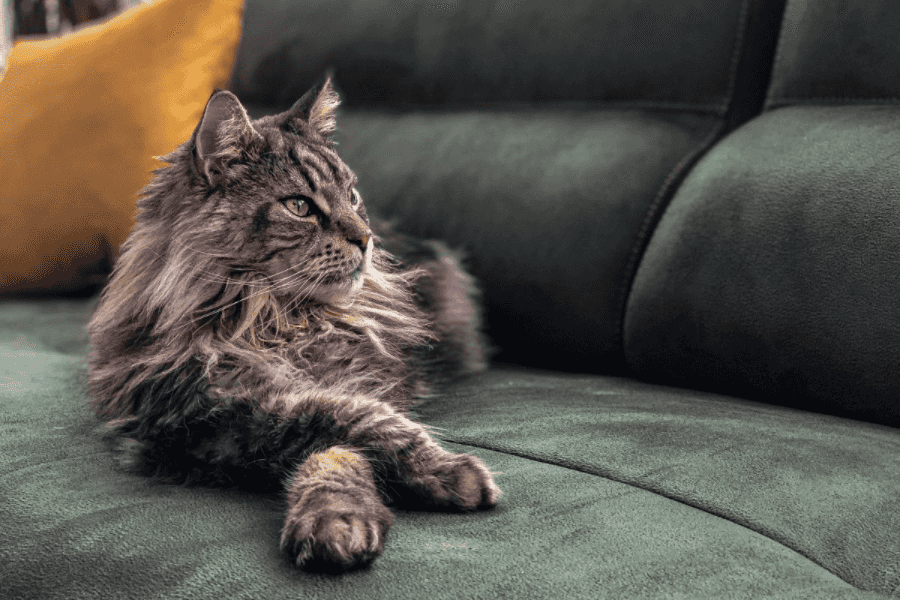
x,y
256,332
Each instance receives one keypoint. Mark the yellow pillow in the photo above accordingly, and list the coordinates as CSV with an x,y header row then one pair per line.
x,y
81,118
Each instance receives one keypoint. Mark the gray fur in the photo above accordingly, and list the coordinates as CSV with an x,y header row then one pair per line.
x,y
254,329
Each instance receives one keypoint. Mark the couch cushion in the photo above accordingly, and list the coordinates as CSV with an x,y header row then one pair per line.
x,y
835,52
83,116
823,487
773,273
542,142
613,488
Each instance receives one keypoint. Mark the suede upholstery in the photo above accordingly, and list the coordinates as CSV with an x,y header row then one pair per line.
x,y
710,254
773,272
390,53
613,489
547,204
491,112
837,53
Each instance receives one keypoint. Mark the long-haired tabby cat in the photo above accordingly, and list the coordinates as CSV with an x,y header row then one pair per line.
x,y
255,331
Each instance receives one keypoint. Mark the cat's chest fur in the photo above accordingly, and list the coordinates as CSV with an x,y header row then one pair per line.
x,y
325,351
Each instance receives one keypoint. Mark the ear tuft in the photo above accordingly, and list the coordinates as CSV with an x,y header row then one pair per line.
x,y
223,133
317,108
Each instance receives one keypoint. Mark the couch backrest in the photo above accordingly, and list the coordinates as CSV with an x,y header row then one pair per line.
x,y
400,54
544,141
774,273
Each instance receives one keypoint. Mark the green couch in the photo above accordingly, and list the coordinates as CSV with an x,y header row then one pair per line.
x,y
686,218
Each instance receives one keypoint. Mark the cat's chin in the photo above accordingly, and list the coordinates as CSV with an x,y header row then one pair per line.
x,y
340,292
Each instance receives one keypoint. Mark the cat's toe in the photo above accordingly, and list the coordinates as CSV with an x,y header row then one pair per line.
x,y
475,485
336,537
463,481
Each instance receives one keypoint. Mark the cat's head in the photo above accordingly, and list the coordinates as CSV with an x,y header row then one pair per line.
x,y
271,197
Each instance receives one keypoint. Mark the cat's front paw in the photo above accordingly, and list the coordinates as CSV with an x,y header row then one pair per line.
x,y
463,481
338,531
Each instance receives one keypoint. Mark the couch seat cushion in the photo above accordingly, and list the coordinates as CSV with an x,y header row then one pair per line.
x,y
613,488
825,487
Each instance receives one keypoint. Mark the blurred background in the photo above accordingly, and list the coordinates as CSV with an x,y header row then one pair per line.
x,y
27,18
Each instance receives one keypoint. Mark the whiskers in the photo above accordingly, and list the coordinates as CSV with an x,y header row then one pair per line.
x,y
204,305
238,287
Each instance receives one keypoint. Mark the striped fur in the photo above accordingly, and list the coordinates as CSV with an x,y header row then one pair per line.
x,y
256,332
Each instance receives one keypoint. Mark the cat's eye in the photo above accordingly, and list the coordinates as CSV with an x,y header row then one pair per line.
x,y
355,198
300,206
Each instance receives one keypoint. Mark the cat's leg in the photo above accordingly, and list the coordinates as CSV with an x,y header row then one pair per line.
x,y
407,462
415,468
335,514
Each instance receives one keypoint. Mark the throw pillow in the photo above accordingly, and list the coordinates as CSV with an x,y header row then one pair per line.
x,y
83,116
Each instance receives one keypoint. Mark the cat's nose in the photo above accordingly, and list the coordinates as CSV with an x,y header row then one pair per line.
x,y
355,230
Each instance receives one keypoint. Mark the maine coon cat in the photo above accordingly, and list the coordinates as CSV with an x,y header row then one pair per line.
x,y
255,331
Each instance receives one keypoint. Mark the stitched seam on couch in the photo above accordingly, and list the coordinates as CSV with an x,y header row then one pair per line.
x,y
783,101
635,482
652,218
667,191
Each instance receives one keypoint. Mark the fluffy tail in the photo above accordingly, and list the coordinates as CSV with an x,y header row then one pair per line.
x,y
451,298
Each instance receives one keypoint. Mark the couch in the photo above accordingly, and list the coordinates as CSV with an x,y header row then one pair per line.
x,y
685,215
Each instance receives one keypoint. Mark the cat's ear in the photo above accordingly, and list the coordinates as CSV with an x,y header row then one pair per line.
x,y
224,131
316,107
